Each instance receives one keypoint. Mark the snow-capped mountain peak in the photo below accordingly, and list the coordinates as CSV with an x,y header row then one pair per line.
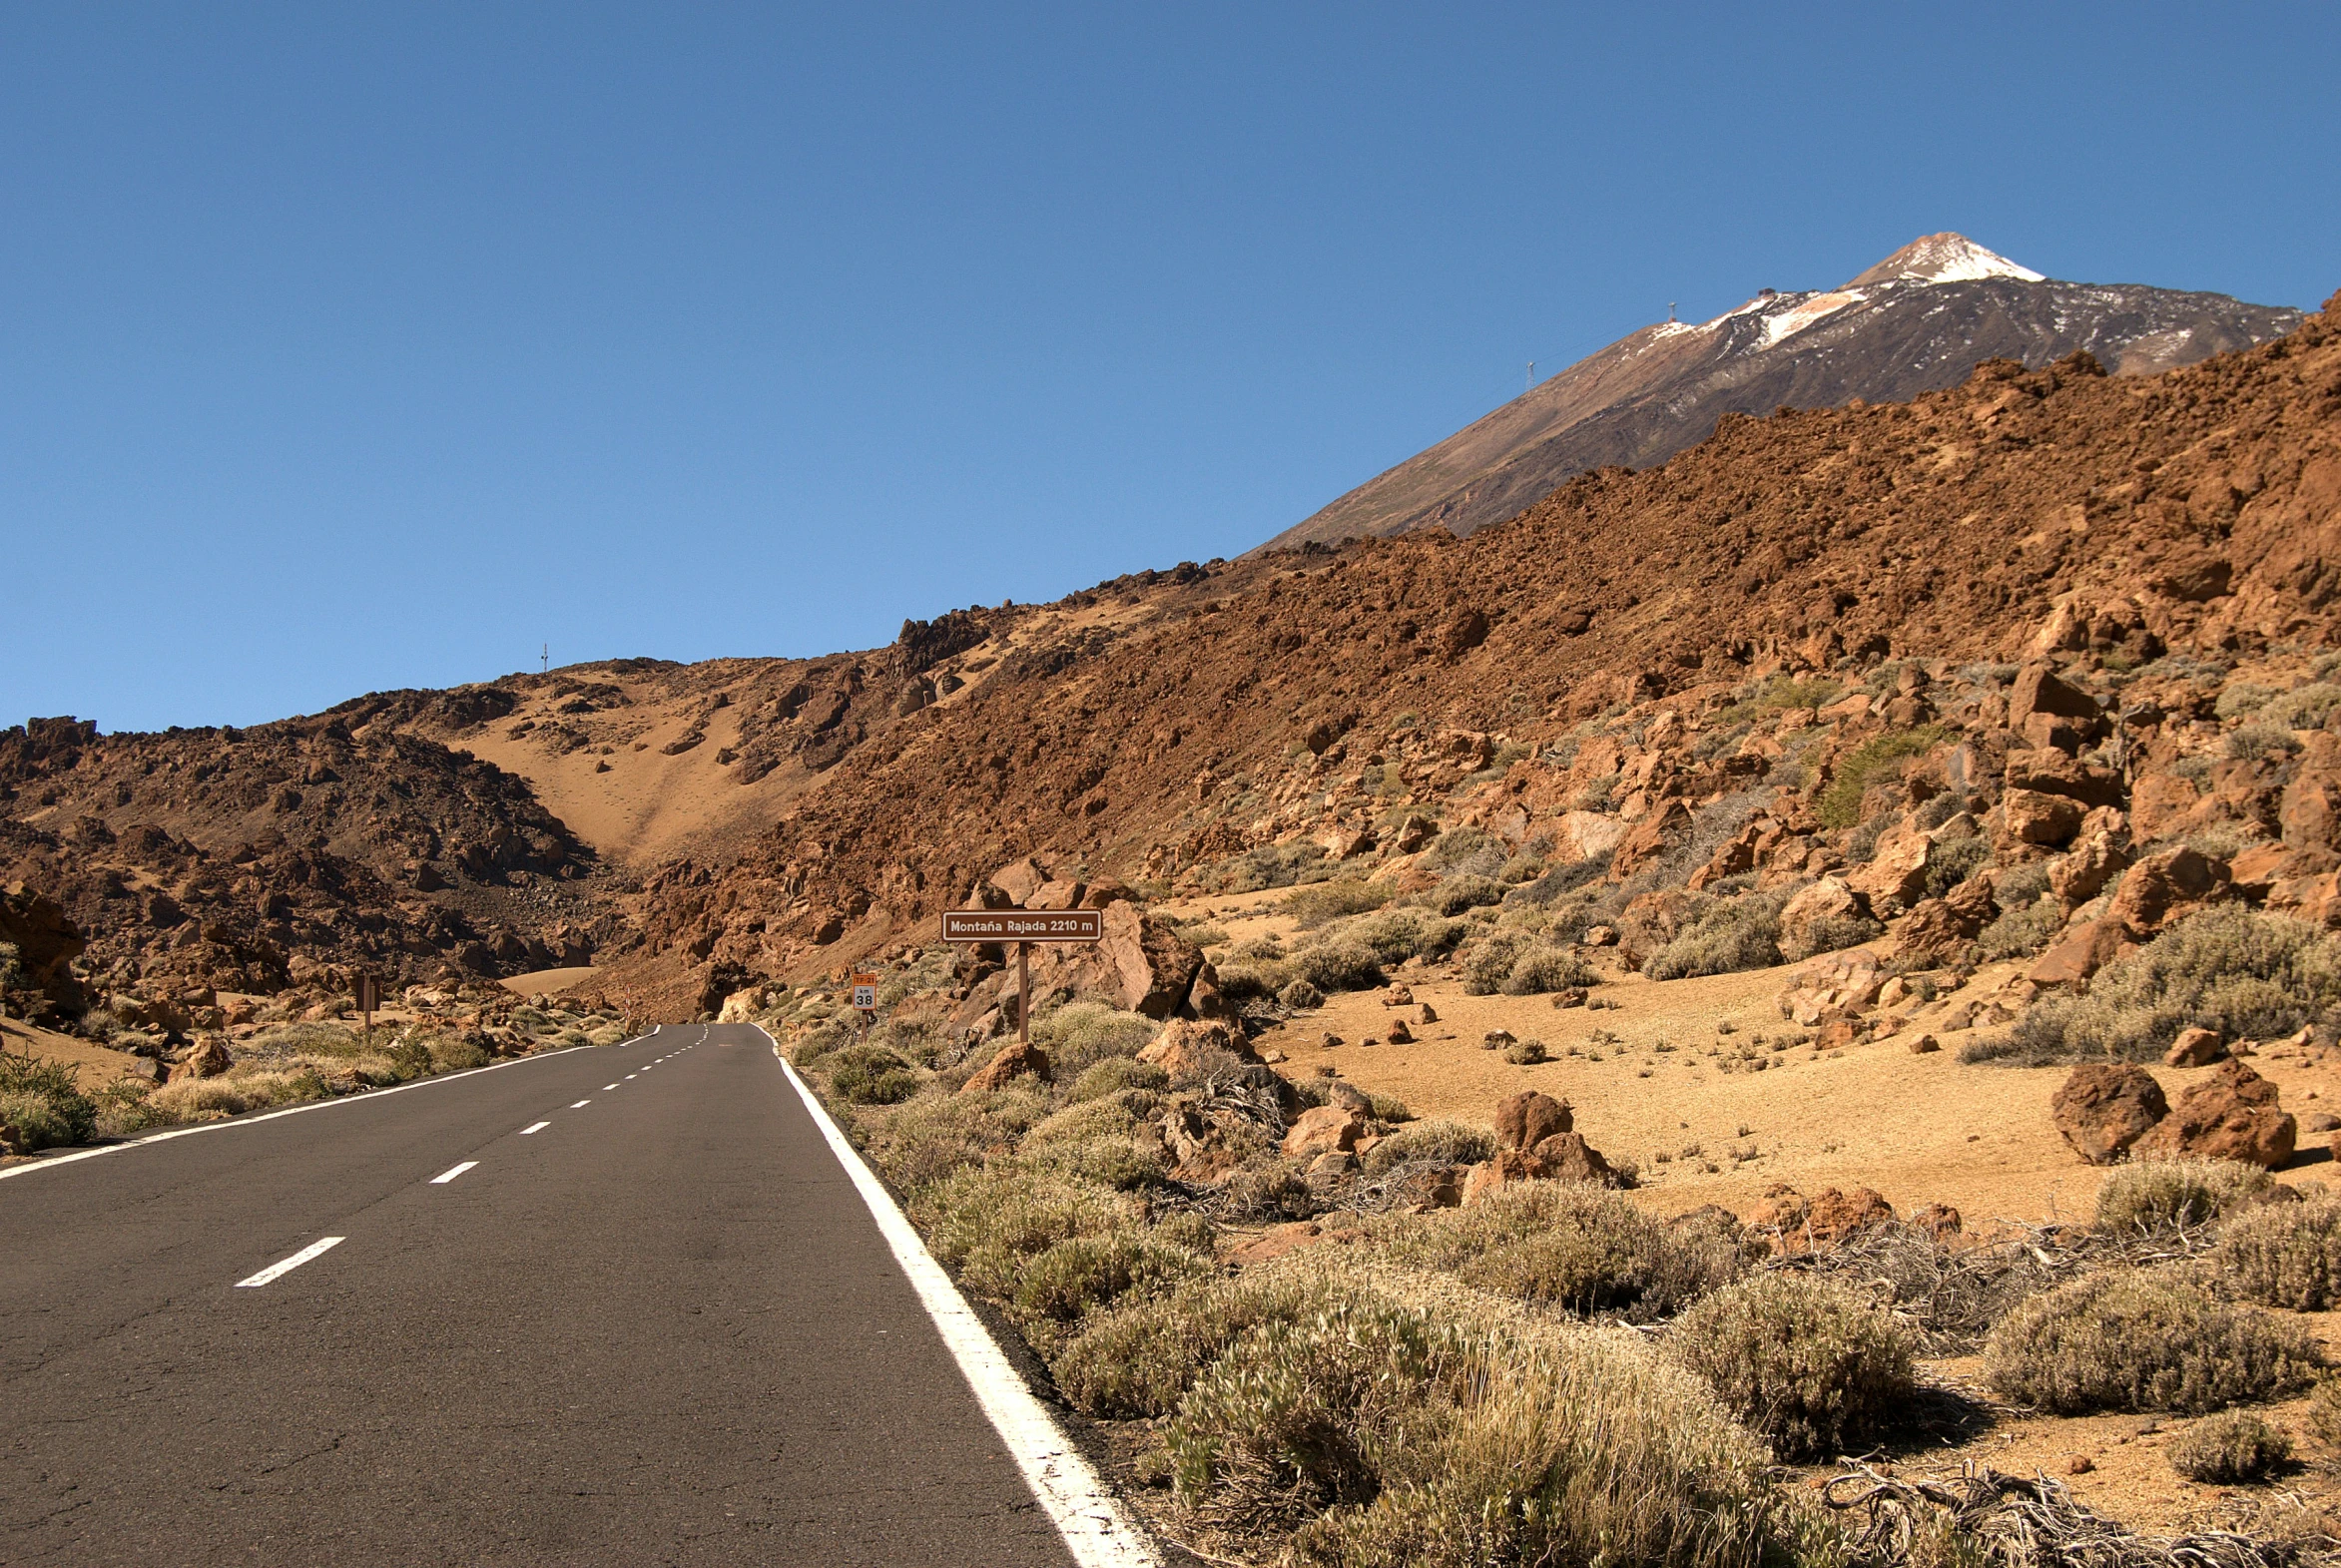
x,y
1943,258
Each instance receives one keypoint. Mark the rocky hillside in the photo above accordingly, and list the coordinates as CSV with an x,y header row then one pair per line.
x,y
241,860
1593,677
1917,322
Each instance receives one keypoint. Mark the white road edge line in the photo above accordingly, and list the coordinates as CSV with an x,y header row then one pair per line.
x,y
371,1097
312,1250
1096,1529
534,1127
444,1176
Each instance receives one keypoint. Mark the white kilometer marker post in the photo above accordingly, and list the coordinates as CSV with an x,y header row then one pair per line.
x,y
534,1127
312,1250
445,1178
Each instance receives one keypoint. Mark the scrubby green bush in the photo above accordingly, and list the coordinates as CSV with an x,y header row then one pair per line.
x,y
1466,848
1467,891
1522,868
1081,1033
869,1075
1312,906
1840,804
1267,1190
1399,934
234,1094
1338,966
1300,994
454,1053
1831,933
2233,1446
1487,963
1270,866
2139,1339
1953,860
1730,935
2164,1195
1805,1361
1066,1282
1245,981
1583,1449
2245,974
1293,1417
936,1134
2284,1254
43,1101
985,1221
1116,1073
2021,932
1096,1140
1140,1358
1443,1143
2324,1411
1526,1053
1566,1243
1544,969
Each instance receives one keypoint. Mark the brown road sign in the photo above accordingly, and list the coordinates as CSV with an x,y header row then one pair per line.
x,y
1023,925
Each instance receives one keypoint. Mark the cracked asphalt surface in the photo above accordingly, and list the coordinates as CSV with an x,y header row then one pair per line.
x,y
661,1329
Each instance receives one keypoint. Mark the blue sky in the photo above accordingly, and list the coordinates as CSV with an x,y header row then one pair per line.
x,y
353,347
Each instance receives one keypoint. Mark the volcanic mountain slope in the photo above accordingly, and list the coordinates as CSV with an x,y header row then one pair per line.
x,y
240,858
2198,511
1918,321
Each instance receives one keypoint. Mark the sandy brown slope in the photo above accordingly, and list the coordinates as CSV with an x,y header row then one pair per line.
x,y
2206,498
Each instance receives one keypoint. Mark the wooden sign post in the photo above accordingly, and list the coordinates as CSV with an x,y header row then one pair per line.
x,y
369,997
1025,928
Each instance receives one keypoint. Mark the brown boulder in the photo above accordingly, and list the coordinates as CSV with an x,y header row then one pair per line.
x,y
1399,1034
1829,900
2196,1048
1324,1129
207,1058
1939,929
2101,1111
2028,817
1667,824
2310,816
2050,771
2233,1115
2163,889
1567,1157
1020,879
2082,874
1143,965
1429,1015
1525,1120
1832,984
1836,1214
1016,1059
1897,872
2078,954
1185,1046
2039,694
1653,919
1939,1221
1509,1168
1399,997
1059,895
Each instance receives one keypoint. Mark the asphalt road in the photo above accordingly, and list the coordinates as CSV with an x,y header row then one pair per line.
x,y
651,1323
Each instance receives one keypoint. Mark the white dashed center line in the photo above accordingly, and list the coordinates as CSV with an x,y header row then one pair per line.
x,y
608,1087
534,1127
445,1178
312,1250
630,1077
581,1105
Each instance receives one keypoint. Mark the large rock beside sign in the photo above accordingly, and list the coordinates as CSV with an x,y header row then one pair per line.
x,y
1141,966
